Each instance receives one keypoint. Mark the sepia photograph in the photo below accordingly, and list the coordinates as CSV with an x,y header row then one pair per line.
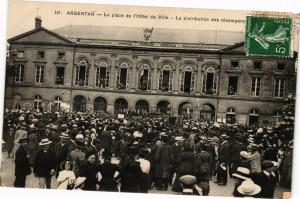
x,y
153,100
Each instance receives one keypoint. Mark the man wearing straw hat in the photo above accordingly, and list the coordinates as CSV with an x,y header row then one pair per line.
x,y
249,189
44,164
61,149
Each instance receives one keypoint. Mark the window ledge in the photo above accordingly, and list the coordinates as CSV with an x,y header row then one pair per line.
x,y
60,61
19,59
234,70
280,72
256,72
40,61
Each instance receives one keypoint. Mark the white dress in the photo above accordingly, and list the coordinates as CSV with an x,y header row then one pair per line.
x,y
63,180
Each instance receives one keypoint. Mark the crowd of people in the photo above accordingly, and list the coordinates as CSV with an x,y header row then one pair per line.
x,y
142,151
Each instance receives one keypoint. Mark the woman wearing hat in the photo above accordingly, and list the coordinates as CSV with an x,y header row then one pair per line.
x,y
22,166
44,164
108,170
89,169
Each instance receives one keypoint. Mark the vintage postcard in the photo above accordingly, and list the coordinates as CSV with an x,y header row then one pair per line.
x,y
149,100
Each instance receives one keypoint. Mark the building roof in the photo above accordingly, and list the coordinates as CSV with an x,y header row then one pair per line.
x,y
91,32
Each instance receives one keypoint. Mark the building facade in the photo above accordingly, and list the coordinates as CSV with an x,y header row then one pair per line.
x,y
71,69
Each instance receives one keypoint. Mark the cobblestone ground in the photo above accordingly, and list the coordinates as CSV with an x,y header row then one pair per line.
x,y
7,174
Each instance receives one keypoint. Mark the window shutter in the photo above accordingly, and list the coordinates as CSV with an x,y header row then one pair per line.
x,y
204,83
107,77
193,82
128,78
181,80
77,76
171,80
160,79
215,82
86,81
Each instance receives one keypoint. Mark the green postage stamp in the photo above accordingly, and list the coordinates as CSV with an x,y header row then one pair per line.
x,y
269,36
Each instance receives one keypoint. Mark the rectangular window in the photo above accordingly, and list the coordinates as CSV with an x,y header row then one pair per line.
x,y
187,82
255,86
82,76
232,85
234,64
60,73
19,73
102,77
39,75
122,78
257,65
165,80
209,83
20,54
279,88
40,55
62,56
145,80
280,66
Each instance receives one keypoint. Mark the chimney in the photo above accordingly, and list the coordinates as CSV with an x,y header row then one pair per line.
x,y
38,22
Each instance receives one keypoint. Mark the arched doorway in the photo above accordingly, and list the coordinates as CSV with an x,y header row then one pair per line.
x,y
185,110
207,112
164,107
100,104
142,105
121,105
79,104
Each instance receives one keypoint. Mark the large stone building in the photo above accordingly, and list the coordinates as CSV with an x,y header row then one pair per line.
x,y
199,74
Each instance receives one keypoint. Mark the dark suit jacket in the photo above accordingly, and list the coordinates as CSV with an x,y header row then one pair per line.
x,y
61,151
22,166
224,152
44,163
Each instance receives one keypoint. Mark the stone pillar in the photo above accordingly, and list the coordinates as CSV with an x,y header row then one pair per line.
x,y
133,84
113,75
110,108
177,75
92,72
155,75
199,76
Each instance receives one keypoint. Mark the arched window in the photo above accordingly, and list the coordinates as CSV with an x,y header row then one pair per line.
x,y
142,105
187,80
121,105
144,78
166,78
164,107
253,117
185,110
207,112
123,73
37,103
57,103
82,73
102,74
100,104
79,104
210,79
230,116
